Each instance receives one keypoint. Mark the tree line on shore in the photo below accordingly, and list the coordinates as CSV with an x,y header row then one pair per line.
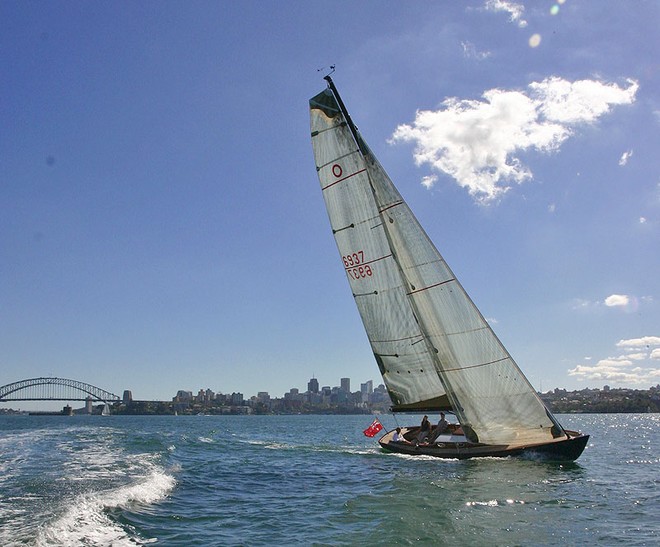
x,y
606,400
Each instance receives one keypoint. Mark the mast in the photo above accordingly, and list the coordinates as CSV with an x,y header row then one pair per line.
x,y
367,154
347,116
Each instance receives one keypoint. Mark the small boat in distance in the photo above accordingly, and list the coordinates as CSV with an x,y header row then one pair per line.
x,y
434,349
106,410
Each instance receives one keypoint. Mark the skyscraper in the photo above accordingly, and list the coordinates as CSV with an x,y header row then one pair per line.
x,y
346,384
313,386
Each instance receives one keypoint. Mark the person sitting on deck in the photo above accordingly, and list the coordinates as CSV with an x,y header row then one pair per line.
x,y
424,429
442,427
398,436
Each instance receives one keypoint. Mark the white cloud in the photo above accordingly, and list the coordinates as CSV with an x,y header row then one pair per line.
x,y
514,10
429,181
582,304
644,341
623,302
476,141
619,370
625,157
582,101
470,52
617,300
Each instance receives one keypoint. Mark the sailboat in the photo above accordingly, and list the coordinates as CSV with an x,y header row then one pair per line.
x,y
433,347
106,410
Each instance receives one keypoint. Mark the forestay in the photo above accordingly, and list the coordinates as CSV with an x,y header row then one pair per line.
x,y
432,345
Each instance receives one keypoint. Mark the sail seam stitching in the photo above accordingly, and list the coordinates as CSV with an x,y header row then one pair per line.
x,y
476,366
431,286
368,262
343,179
420,336
335,160
391,206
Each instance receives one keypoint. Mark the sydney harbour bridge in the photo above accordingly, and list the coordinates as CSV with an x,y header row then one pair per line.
x,y
55,389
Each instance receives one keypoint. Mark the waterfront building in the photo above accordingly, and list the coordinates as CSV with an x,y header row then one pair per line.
x,y
183,396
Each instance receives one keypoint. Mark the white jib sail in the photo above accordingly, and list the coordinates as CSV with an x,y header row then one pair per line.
x,y
432,345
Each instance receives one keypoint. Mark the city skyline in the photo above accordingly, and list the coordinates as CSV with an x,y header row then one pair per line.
x,y
368,387
325,400
184,395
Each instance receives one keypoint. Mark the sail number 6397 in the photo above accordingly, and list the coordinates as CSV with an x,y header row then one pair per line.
x,y
355,266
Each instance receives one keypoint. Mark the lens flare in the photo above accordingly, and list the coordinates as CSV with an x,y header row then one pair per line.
x,y
534,40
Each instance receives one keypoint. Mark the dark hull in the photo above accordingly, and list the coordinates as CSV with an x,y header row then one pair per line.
x,y
561,450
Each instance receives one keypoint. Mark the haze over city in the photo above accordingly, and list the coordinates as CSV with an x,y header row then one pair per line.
x,y
162,226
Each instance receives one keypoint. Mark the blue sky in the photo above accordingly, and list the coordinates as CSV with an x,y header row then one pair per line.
x,y
162,226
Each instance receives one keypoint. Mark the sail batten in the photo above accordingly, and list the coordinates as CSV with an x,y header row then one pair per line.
x,y
416,290
433,347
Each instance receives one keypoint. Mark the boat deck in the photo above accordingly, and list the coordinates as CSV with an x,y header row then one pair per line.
x,y
455,435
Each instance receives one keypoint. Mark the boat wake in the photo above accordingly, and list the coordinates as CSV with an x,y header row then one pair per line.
x,y
420,457
88,519
286,446
72,485
494,503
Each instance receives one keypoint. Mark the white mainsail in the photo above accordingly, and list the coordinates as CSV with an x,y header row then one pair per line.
x,y
432,345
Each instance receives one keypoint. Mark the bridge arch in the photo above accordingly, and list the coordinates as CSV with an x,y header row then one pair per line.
x,y
54,389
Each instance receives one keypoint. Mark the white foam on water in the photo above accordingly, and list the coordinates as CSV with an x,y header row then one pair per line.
x,y
110,480
276,446
489,503
494,503
421,457
358,451
86,521
16,449
252,442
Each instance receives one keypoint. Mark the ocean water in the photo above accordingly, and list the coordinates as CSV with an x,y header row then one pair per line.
x,y
313,480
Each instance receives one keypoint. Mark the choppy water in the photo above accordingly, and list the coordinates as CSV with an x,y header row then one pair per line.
x,y
313,480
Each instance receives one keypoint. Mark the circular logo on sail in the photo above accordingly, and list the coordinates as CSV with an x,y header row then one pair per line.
x,y
337,170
